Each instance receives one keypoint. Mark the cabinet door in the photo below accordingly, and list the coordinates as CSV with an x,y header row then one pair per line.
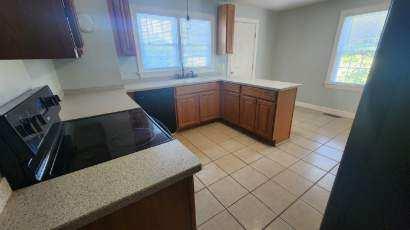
x,y
188,110
209,105
248,113
39,30
230,105
265,114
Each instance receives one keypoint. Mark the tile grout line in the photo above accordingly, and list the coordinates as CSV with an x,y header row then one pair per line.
x,y
251,192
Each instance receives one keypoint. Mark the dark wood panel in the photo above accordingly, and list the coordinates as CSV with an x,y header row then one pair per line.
x,y
122,26
269,95
170,208
265,115
231,87
191,89
221,30
188,111
285,106
209,105
230,28
230,107
226,27
37,30
247,116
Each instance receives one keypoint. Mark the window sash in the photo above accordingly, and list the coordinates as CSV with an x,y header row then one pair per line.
x,y
363,56
181,48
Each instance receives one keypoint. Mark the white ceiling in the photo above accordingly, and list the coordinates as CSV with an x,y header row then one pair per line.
x,y
278,4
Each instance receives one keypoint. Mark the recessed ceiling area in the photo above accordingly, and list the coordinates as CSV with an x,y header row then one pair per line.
x,y
278,4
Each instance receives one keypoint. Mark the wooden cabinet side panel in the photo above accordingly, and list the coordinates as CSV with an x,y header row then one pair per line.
x,y
122,26
265,117
247,115
172,207
230,28
285,106
188,111
221,30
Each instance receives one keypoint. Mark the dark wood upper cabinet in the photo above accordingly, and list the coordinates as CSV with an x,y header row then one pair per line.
x,y
46,29
247,117
226,26
122,26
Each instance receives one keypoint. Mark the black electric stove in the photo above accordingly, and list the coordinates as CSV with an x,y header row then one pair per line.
x,y
36,145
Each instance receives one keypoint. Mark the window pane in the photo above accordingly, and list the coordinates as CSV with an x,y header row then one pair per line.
x,y
196,39
357,45
158,41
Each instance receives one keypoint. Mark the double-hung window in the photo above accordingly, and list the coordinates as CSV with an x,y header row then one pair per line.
x,y
167,43
357,39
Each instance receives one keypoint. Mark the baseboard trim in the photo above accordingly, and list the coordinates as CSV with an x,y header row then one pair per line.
x,y
324,109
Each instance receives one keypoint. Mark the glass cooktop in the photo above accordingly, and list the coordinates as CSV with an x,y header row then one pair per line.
x,y
90,141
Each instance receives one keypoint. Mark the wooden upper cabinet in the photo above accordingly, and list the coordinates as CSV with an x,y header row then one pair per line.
x,y
188,111
122,26
226,27
265,115
46,29
230,106
209,105
247,116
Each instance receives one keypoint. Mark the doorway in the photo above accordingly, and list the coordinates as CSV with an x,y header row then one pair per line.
x,y
242,61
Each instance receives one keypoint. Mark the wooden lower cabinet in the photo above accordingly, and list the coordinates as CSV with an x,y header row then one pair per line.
x,y
187,108
171,208
209,106
265,115
230,107
247,116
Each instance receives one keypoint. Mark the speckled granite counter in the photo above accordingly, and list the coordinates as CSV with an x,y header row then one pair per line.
x,y
95,102
78,198
267,84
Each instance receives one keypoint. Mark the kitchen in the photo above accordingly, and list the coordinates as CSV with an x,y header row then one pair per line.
x,y
125,114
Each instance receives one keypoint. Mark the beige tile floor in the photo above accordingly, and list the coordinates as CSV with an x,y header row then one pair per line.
x,y
245,184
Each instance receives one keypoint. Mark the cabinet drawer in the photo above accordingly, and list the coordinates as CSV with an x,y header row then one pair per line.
x,y
231,87
259,93
191,89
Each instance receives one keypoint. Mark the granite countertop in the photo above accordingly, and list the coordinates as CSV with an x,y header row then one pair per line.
x,y
267,84
79,198
95,102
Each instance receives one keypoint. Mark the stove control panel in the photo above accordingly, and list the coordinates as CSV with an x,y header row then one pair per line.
x,y
34,115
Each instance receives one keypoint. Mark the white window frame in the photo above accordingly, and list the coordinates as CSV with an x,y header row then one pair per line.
x,y
329,83
169,72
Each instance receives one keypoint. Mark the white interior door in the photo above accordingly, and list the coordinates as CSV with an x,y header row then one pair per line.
x,y
243,58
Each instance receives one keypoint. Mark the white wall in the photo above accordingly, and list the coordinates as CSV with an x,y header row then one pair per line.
x,y
303,47
18,76
98,66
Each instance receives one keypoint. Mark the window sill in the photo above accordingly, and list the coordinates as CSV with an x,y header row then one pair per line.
x,y
344,86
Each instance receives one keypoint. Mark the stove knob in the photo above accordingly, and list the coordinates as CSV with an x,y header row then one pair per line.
x,y
21,131
28,128
41,119
57,98
36,124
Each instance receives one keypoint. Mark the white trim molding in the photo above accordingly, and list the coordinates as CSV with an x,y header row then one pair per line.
x,y
328,110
